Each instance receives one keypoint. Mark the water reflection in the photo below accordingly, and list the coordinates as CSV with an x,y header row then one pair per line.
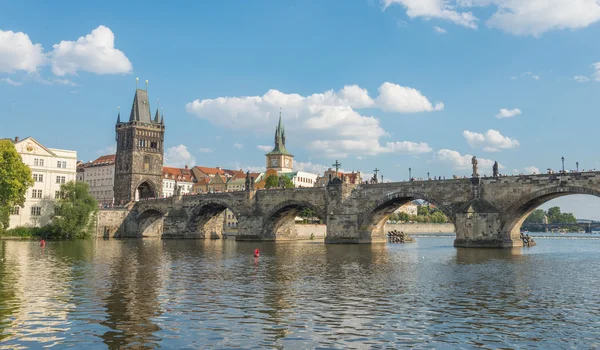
x,y
215,294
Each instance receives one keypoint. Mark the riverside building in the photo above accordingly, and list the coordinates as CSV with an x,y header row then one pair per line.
x,y
50,168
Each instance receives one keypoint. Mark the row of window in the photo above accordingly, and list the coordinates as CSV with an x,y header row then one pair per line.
x,y
304,179
35,211
59,163
100,182
143,143
40,178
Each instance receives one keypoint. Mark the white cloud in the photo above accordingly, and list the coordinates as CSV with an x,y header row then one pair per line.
x,y
463,162
94,53
205,150
238,145
518,17
325,122
491,140
508,113
441,9
264,148
535,17
596,74
531,170
581,78
396,98
112,149
356,97
11,82
179,156
439,30
17,52
310,167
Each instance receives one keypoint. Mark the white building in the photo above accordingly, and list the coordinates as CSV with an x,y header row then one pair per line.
x,y
301,178
177,177
50,168
409,208
100,177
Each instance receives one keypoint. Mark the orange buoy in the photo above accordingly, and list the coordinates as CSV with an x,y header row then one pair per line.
x,y
256,253
42,243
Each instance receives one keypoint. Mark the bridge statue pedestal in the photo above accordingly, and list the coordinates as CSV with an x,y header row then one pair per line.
x,y
479,225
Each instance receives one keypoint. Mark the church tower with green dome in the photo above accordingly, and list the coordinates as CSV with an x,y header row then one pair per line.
x,y
279,158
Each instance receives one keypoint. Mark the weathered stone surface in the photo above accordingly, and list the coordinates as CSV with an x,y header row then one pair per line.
x,y
485,212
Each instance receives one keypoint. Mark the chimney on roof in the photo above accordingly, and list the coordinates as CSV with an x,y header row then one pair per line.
x,y
186,166
218,168
16,138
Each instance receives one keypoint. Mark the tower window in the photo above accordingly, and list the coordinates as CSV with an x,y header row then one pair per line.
x,y
146,163
153,144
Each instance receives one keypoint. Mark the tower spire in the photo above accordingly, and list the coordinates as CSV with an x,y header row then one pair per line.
x,y
162,116
119,115
156,116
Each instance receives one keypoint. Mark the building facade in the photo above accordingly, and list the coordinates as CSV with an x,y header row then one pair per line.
x,y
354,177
50,168
279,159
177,180
100,177
408,208
140,147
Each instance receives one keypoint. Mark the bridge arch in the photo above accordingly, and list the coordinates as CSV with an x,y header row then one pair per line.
x,y
280,223
516,214
150,222
211,218
371,224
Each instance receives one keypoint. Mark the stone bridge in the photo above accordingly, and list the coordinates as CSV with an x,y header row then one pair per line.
x,y
486,212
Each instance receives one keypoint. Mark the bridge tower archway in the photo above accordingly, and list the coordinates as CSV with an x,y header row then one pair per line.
x,y
280,222
212,219
150,223
372,225
145,190
516,215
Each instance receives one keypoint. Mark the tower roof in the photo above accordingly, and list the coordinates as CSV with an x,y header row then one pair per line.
x,y
279,140
140,111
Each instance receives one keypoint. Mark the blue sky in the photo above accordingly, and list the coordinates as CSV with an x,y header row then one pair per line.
x,y
390,84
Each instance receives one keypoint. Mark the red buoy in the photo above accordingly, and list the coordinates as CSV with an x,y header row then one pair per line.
x,y
256,253
42,243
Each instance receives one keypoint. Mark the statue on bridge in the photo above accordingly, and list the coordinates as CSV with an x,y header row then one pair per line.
x,y
281,183
495,169
474,162
247,185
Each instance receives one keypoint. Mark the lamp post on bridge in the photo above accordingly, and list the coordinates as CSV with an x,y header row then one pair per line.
x,y
381,178
428,175
409,174
577,165
563,164
376,171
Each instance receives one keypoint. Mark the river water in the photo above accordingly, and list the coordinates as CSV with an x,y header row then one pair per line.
x,y
214,294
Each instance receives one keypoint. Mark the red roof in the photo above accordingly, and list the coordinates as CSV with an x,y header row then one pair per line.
x,y
210,171
178,174
108,159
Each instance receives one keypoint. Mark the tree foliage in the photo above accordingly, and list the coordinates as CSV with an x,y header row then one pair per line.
x,y
272,181
74,212
424,215
15,179
536,217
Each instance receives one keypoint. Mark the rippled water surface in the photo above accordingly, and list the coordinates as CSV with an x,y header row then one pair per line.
x,y
215,294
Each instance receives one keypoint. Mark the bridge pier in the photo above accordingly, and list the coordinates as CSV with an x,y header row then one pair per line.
x,y
479,225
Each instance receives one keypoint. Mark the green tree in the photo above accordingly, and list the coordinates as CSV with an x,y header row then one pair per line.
x,y
272,181
422,210
74,212
568,218
438,217
15,178
554,215
307,213
536,217
403,217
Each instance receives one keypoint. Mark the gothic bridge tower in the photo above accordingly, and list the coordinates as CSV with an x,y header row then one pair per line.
x,y
140,148
279,158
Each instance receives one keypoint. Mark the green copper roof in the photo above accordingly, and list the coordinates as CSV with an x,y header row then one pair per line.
x,y
279,140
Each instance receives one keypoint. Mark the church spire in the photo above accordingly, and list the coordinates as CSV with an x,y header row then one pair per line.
x,y
279,138
119,116
162,116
